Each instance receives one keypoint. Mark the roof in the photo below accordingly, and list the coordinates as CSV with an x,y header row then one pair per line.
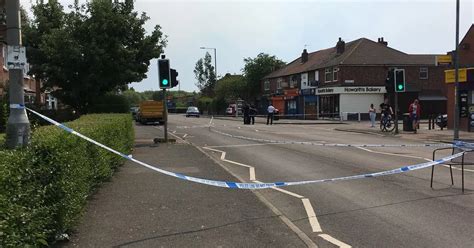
x,y
358,52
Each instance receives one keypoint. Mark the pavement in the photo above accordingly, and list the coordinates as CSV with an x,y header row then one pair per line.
x,y
142,208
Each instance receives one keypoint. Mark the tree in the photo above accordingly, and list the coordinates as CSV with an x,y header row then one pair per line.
x,y
93,49
256,69
133,98
205,75
231,88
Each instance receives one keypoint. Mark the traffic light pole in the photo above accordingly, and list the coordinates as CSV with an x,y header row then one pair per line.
x,y
18,126
396,112
165,116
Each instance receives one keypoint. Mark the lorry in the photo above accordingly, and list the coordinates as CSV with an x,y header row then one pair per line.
x,y
150,111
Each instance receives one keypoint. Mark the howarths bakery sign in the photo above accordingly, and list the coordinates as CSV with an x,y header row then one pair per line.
x,y
351,90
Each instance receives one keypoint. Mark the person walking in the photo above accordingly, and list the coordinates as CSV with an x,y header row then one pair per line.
x,y
253,113
415,112
270,111
246,111
372,114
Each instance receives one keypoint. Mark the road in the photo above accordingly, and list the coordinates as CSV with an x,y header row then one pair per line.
x,y
391,211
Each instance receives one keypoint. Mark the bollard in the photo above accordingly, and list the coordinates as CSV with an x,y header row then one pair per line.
x,y
429,121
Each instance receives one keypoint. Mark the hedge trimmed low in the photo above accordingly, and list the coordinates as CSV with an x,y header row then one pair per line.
x,y
44,187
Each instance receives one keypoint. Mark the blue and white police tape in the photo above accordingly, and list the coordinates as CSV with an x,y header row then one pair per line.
x,y
237,185
295,142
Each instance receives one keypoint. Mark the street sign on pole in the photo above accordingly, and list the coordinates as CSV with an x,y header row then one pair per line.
x,y
18,126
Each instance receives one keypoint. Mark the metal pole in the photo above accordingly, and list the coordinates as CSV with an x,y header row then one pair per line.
x,y
456,75
396,108
165,116
18,126
215,61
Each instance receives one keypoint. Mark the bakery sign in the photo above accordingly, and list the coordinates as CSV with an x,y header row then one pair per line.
x,y
351,90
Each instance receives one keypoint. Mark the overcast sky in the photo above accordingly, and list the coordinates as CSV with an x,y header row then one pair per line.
x,y
240,29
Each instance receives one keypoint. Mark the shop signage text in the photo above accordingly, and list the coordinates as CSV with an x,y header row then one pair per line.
x,y
351,90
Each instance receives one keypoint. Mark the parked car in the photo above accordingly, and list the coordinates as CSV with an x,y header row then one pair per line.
x,y
192,111
134,111
442,121
230,111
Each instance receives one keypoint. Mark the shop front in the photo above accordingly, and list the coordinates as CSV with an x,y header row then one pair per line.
x,y
310,103
465,101
348,101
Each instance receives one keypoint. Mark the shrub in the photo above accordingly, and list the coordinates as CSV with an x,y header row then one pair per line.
x,y
43,188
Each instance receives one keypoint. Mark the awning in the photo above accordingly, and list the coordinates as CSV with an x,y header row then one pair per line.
x,y
432,98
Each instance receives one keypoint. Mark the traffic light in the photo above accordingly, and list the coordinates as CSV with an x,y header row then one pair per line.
x,y
164,73
389,81
174,80
399,80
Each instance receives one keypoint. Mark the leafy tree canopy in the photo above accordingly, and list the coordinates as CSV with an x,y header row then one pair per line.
x,y
94,48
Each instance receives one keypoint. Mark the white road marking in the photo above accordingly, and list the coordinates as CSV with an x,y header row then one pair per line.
x,y
245,145
393,154
313,220
174,131
332,240
223,154
284,191
184,136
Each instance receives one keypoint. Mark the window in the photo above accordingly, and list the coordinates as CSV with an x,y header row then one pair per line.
x,y
316,76
279,83
266,85
334,73
328,75
423,73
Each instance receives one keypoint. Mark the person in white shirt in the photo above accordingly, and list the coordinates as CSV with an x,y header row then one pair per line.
x,y
271,111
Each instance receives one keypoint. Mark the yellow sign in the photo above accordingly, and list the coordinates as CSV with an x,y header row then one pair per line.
x,y
443,59
450,76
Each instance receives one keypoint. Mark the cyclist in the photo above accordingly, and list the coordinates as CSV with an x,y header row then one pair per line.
x,y
386,113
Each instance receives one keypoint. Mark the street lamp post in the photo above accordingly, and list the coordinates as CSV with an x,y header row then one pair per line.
x,y
215,57
456,83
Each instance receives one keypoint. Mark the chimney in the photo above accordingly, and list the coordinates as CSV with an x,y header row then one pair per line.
x,y
340,46
304,56
381,41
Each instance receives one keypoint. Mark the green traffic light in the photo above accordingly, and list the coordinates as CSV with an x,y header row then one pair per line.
x,y
165,82
400,87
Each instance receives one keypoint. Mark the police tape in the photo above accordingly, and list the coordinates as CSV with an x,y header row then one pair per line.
x,y
296,142
237,185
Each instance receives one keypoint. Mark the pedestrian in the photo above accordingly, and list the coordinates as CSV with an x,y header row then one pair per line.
x,y
253,113
372,114
270,111
415,112
246,112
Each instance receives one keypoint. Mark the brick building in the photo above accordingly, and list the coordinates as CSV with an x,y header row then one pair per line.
x,y
349,77
466,86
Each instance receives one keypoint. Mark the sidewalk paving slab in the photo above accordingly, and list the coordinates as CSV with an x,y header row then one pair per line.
x,y
142,208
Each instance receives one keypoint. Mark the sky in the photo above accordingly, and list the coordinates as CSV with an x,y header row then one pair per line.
x,y
242,29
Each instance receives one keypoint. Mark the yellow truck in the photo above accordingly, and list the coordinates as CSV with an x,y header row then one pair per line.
x,y
150,111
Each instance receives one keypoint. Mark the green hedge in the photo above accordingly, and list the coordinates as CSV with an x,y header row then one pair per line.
x,y
44,187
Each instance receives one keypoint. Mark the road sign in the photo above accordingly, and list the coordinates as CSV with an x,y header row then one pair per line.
x,y
444,60
450,76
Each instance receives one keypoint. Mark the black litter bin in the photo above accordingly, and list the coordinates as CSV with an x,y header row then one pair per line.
x,y
407,123
276,117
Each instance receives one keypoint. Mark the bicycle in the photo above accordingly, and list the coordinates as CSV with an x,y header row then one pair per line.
x,y
386,123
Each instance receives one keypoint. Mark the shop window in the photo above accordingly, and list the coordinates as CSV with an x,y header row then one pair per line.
x,y
335,71
423,73
328,75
